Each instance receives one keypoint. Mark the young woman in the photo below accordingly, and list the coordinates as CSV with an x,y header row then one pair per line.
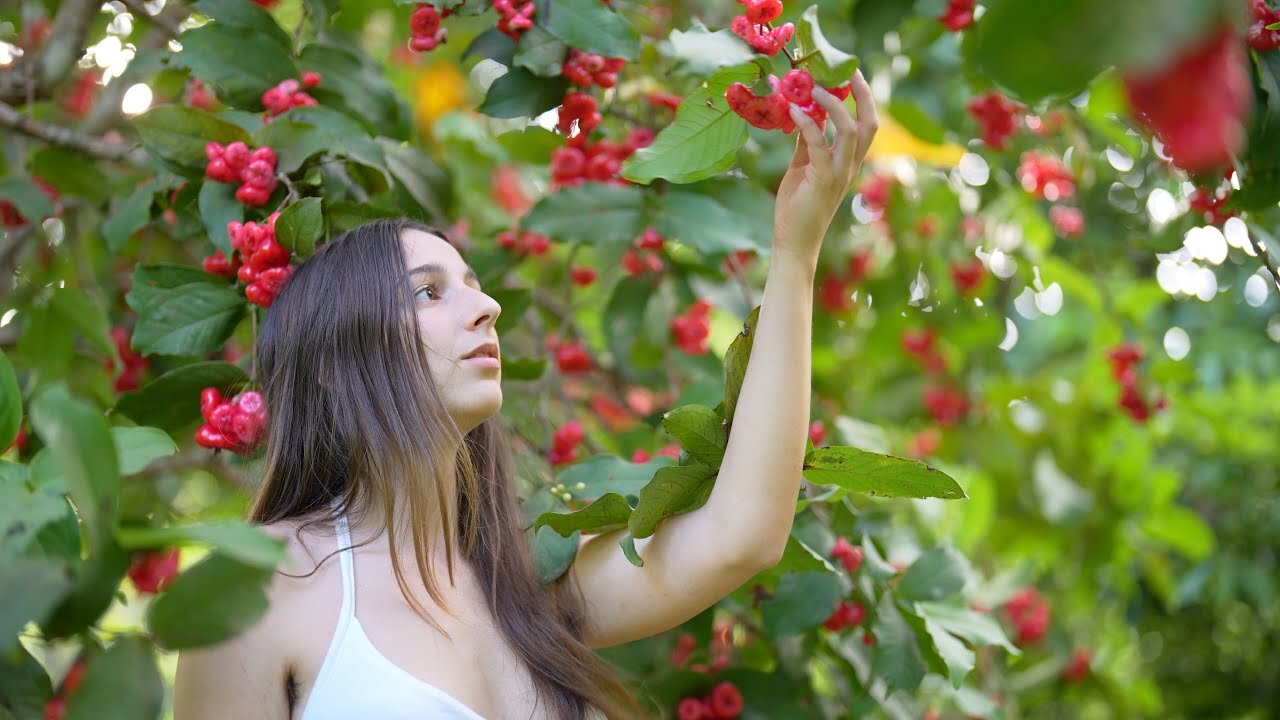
x,y
379,364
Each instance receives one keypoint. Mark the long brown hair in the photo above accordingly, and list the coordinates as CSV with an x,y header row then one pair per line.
x,y
354,414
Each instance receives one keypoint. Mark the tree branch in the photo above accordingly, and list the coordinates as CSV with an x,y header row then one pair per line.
x,y
107,107
1265,254
67,138
35,74
166,19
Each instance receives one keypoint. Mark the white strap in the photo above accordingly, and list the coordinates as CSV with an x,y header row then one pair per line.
x,y
346,557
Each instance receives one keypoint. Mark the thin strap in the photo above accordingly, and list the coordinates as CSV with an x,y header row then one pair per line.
x,y
346,557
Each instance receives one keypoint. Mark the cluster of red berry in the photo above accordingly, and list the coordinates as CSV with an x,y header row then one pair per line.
x,y
524,242
1133,401
201,97
135,364
921,344
289,94
642,456
968,275
1077,668
946,405
254,170
690,329
875,192
56,707
586,69
508,191
754,26
237,424
645,255
1067,221
1030,615
833,291
1044,176
424,27
1211,202
1260,16
154,570
571,356
723,703
958,15
514,17
720,650
11,218
997,116
849,555
772,111
582,276
847,614
581,161
1198,103
924,443
265,268
79,99
564,443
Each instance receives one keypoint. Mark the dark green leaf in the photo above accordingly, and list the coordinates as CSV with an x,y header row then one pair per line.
x,y
190,319
514,302
46,345
553,554
215,599
356,84
735,366
42,586
219,206
673,490
700,430
525,369
533,144
828,65
520,93
802,601
304,131
179,134
71,173
624,322
149,281
609,512
628,545
591,26
245,16
875,474
138,447
24,683
77,434
244,542
492,44
897,657
617,214
238,62
603,474
75,309
421,177
121,683
172,401
937,574
27,197
300,225
10,402
95,586
701,222
129,216
540,52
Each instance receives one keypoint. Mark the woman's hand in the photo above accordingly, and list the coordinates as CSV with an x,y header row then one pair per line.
x,y
820,176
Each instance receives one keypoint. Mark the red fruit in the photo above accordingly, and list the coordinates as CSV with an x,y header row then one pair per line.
x,y
1260,38
1078,667
218,264
269,254
946,405
868,639
1198,103
236,155
841,91
252,196
797,86
210,399
153,570
875,192
664,99
833,294
859,266
817,432
850,556
640,456
958,15
685,643
219,171
1044,176
1068,221
210,438
968,275
55,708
924,443
726,700
995,114
310,79
250,402
246,429
650,239
763,12
692,709
918,343
568,436
582,276
73,678
572,358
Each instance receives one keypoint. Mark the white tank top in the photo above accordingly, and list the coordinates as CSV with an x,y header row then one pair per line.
x,y
358,681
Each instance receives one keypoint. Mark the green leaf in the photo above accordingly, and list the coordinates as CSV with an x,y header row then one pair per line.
x,y
897,658
492,44
700,431
240,63
149,281
552,554
520,93
27,197
356,84
422,178
235,539
796,557
178,135
978,628
77,434
93,590
701,52
602,474
617,214
828,65
121,683
10,402
540,52
24,683
525,369
938,573
875,474
874,562
71,173
215,599
514,301
912,117
1260,178
735,366
23,514
958,658
533,144
301,132
300,225
628,545
129,216
219,206
1036,52
245,16
624,322
46,346
172,401
590,26
191,319
673,490
609,512
138,447
1181,530
43,585
702,222
801,602
74,308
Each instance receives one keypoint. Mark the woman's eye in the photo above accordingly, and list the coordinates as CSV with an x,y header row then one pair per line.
x,y
427,292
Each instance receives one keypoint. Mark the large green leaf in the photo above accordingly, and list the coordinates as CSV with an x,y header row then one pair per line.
x,y
702,52
96,583
828,65
10,403
540,52
245,16
71,173
302,132
609,512
150,280
937,574
242,541
1181,530
1260,179
74,308
875,474
897,658
978,628
617,214
240,63
423,179
735,366
958,658
23,514
552,554
601,474
300,226
77,434
215,599
514,301
802,601
673,490
624,324
702,222
24,684
138,447
218,206
172,401
590,26
42,586
190,319
121,683
520,93
178,135
130,215
700,431
356,84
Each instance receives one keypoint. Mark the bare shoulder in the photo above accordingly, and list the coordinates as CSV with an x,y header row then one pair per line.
x,y
249,671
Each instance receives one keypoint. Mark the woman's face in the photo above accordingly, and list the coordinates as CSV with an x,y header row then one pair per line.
x,y
456,317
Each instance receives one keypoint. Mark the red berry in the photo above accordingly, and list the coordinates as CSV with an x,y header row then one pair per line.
x,y
968,275
797,86
763,12
572,358
817,432
1078,667
1044,176
55,708
692,709
310,79
995,114
582,276
73,677
726,700
153,570
1067,221
946,405
958,15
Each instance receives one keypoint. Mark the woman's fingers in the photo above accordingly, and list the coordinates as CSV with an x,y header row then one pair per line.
x,y
819,153
868,121
846,141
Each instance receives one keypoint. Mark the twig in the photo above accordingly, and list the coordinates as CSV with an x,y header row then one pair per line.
x,y
39,71
1265,254
199,459
68,138
160,19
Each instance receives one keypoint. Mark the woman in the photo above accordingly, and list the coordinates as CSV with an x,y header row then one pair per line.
x,y
379,366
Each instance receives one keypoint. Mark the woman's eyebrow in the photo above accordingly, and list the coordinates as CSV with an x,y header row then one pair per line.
x,y
432,268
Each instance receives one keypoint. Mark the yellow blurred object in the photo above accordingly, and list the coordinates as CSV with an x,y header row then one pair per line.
x,y
894,141
437,90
